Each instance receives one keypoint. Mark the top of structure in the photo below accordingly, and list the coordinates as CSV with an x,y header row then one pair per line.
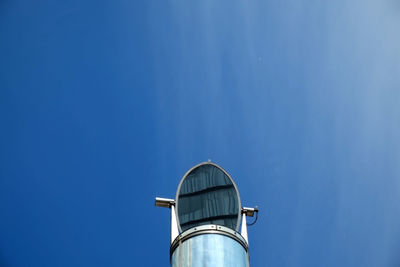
x,y
207,195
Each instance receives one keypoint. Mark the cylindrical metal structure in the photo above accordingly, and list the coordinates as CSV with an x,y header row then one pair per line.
x,y
209,245
205,219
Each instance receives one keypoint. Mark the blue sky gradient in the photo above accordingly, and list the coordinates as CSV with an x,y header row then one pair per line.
x,y
106,104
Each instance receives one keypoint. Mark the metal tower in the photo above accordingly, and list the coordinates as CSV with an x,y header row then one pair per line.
x,y
205,219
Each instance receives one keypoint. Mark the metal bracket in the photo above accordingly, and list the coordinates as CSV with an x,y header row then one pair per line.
x,y
169,203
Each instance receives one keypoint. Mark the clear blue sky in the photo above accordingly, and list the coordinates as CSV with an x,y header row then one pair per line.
x,y
106,104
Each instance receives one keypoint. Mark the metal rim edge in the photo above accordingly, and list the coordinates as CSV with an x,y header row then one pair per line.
x,y
208,229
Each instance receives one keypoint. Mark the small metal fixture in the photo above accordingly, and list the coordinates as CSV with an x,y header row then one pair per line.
x,y
249,211
164,202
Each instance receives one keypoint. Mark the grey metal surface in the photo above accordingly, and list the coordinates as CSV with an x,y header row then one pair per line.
x,y
208,229
210,250
174,225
